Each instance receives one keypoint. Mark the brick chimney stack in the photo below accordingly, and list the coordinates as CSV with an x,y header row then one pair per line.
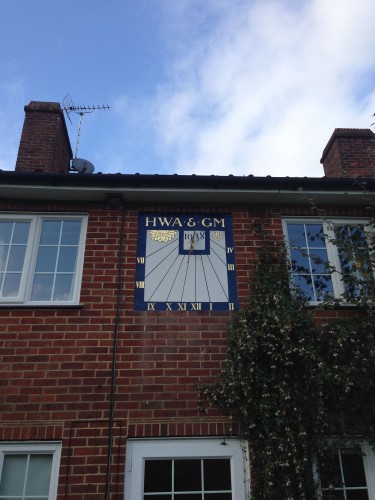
x,y
350,152
44,144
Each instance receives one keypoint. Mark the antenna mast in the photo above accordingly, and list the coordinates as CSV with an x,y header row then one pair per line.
x,y
69,107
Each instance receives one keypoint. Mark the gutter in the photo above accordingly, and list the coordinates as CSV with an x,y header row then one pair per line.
x,y
185,188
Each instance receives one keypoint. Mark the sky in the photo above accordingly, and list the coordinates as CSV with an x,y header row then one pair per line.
x,y
242,87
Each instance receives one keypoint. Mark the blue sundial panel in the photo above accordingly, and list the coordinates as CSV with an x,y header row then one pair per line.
x,y
185,262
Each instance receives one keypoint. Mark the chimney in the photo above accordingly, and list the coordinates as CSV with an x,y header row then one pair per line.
x,y
44,144
350,152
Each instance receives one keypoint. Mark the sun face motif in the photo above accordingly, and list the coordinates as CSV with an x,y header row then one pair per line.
x,y
162,235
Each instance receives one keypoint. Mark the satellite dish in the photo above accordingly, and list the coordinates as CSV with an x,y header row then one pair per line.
x,y
82,166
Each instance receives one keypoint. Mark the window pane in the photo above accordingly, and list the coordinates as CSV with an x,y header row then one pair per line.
x,y
319,261
42,287
4,249
357,495
71,232
21,233
11,285
157,497
296,233
218,496
63,287
16,258
300,261
306,235
50,234
217,474
304,283
187,475
46,261
188,496
354,472
39,475
33,498
333,495
323,286
13,475
330,471
67,259
346,234
315,235
5,231
158,476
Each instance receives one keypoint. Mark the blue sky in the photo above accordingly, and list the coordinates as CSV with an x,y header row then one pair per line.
x,y
194,86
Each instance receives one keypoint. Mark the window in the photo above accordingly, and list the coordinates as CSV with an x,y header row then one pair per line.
x,y
347,474
329,259
186,469
29,471
41,258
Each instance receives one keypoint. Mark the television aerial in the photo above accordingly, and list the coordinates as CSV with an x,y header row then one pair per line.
x,y
79,164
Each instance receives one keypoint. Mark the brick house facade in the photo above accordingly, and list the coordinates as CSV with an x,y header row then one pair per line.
x,y
86,375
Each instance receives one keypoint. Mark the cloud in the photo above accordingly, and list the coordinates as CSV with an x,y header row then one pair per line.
x,y
258,87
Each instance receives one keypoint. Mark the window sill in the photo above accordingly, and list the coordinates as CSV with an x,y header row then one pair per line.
x,y
42,306
325,307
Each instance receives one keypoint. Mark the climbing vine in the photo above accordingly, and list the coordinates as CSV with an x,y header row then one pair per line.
x,y
292,383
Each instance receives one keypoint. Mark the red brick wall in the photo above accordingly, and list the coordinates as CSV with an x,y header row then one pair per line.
x,y
44,144
56,362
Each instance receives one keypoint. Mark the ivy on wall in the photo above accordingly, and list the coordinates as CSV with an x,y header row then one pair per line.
x,y
293,383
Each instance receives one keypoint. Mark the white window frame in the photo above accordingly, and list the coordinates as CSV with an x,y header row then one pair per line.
x,y
332,250
36,220
368,458
138,450
30,448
